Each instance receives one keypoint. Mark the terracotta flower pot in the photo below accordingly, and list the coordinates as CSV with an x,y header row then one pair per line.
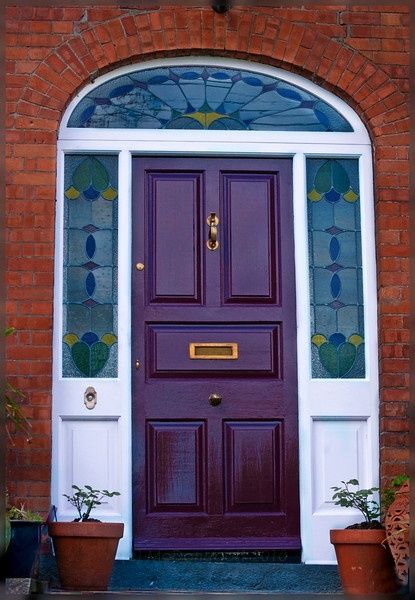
x,y
365,565
85,553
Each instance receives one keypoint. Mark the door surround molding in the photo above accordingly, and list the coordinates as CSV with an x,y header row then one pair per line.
x,y
318,399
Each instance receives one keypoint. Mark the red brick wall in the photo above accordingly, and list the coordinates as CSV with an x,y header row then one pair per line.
x,y
360,53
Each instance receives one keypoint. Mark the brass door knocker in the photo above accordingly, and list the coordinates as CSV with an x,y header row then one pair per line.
x,y
212,220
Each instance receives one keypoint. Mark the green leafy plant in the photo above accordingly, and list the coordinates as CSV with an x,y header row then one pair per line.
x,y
360,499
86,499
389,493
12,401
22,514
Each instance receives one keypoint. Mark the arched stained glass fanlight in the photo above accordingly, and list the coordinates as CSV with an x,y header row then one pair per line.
x,y
204,97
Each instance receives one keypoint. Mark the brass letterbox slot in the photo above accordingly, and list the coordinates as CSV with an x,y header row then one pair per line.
x,y
213,350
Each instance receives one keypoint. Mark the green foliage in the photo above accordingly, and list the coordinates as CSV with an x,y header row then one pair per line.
x,y
21,514
85,499
388,494
359,499
12,402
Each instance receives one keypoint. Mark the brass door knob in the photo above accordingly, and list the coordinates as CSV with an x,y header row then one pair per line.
x,y
215,399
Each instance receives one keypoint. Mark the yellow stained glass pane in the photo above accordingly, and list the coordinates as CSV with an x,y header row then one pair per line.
x,y
356,340
109,194
72,193
314,196
350,196
70,338
318,339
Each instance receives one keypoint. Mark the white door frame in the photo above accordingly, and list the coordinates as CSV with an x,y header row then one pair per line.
x,y
327,407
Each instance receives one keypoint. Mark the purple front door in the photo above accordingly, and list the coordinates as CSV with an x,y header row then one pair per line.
x,y
215,440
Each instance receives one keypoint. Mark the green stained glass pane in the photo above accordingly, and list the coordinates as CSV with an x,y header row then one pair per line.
x,y
323,178
90,266
200,97
340,177
336,290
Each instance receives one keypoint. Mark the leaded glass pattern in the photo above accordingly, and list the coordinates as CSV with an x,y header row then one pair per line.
x,y
335,258
204,97
90,266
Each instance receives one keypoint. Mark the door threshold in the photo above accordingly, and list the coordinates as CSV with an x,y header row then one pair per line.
x,y
270,556
214,544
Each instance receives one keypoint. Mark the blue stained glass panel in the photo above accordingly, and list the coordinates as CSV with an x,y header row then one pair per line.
x,y
336,291
204,97
90,266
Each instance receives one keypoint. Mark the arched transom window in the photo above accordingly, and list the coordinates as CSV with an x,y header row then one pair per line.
x,y
205,97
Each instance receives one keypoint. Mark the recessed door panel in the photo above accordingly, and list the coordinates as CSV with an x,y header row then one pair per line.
x,y
215,440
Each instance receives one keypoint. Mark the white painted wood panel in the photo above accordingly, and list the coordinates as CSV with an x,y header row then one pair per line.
x,y
339,447
90,456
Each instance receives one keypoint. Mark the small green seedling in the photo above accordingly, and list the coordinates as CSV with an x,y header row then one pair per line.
x,y
86,499
359,499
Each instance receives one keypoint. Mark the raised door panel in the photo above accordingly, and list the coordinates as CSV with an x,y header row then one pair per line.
x,y
175,349
339,448
251,252
253,466
174,209
90,455
176,465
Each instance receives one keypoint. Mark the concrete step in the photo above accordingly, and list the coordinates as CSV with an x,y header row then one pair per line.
x,y
225,576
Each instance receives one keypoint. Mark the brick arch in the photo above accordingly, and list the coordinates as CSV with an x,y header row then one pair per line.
x,y
126,36
238,34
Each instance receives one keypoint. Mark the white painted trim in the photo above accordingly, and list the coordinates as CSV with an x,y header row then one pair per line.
x,y
315,397
204,147
124,345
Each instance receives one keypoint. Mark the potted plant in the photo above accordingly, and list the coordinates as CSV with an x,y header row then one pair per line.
x,y
25,535
23,527
364,559
85,548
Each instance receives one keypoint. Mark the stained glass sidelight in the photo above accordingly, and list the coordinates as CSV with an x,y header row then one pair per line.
x,y
90,266
337,326
204,97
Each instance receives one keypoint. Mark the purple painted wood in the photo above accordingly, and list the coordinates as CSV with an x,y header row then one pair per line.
x,y
249,258
226,476
179,485
174,259
253,447
258,350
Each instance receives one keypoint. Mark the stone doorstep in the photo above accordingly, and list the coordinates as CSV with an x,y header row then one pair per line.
x,y
159,595
214,577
